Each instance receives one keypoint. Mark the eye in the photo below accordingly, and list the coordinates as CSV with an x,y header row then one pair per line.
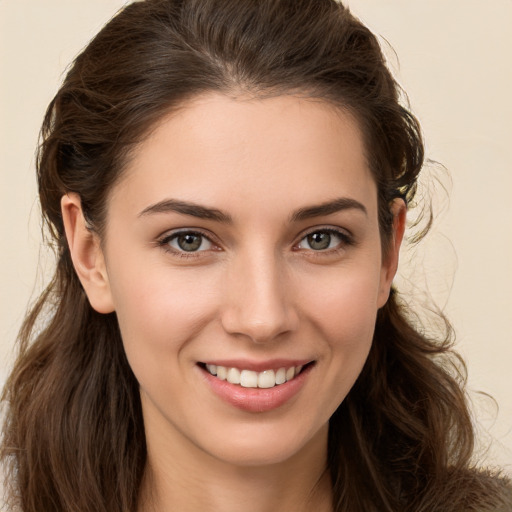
x,y
323,240
187,241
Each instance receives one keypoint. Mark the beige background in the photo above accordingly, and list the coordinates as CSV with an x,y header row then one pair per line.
x,y
455,62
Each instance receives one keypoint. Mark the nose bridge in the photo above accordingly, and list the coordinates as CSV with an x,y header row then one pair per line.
x,y
258,297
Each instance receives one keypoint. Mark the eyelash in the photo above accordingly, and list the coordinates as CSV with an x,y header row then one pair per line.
x,y
165,241
346,240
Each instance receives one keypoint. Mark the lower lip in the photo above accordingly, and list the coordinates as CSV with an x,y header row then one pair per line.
x,y
257,399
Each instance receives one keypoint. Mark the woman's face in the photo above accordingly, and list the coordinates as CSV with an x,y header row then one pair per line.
x,y
243,240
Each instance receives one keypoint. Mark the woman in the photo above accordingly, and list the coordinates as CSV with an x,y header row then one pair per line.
x,y
226,183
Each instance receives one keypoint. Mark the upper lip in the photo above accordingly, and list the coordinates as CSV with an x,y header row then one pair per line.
x,y
258,366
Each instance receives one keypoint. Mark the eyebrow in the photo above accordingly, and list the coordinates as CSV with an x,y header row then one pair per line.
x,y
204,212
187,208
328,208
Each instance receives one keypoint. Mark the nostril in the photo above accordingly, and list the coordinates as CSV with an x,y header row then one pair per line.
x,y
258,327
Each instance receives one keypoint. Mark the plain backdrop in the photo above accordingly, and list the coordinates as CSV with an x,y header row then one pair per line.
x,y
454,59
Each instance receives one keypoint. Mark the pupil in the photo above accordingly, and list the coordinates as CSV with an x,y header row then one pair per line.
x,y
319,241
189,242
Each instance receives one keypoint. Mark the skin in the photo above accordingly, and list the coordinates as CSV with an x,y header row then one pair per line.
x,y
255,290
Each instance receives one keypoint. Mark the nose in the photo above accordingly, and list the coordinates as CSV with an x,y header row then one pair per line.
x,y
259,299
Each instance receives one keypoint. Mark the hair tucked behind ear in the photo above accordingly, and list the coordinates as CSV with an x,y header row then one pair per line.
x,y
73,437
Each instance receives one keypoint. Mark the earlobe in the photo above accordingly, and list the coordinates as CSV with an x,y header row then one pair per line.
x,y
390,261
87,255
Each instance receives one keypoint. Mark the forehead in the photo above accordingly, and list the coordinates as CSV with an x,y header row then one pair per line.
x,y
239,151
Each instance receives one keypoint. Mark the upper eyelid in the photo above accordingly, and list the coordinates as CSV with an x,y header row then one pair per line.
x,y
168,234
330,229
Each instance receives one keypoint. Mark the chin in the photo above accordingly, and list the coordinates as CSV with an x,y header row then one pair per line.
x,y
266,447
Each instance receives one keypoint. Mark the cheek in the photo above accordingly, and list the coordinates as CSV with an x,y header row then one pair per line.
x,y
159,309
344,304
344,311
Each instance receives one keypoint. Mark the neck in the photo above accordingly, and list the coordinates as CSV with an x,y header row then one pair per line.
x,y
187,479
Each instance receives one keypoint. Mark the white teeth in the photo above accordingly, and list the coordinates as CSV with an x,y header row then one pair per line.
x,y
233,376
212,368
251,379
267,379
221,372
281,376
248,379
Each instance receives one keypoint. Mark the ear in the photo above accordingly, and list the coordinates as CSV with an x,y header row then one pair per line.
x,y
87,255
390,260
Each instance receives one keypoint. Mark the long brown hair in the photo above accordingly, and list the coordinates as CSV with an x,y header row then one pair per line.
x,y
73,436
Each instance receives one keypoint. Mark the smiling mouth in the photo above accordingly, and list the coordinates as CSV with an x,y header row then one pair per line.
x,y
252,379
